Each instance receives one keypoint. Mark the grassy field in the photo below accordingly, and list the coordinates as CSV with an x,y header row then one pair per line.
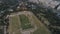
x,y
41,28
22,21
17,22
25,23
14,25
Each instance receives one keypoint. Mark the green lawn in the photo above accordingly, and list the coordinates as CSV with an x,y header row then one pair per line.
x,y
14,25
41,28
25,23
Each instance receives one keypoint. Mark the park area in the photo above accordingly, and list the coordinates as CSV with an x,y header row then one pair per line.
x,y
25,23
14,25
17,22
22,22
